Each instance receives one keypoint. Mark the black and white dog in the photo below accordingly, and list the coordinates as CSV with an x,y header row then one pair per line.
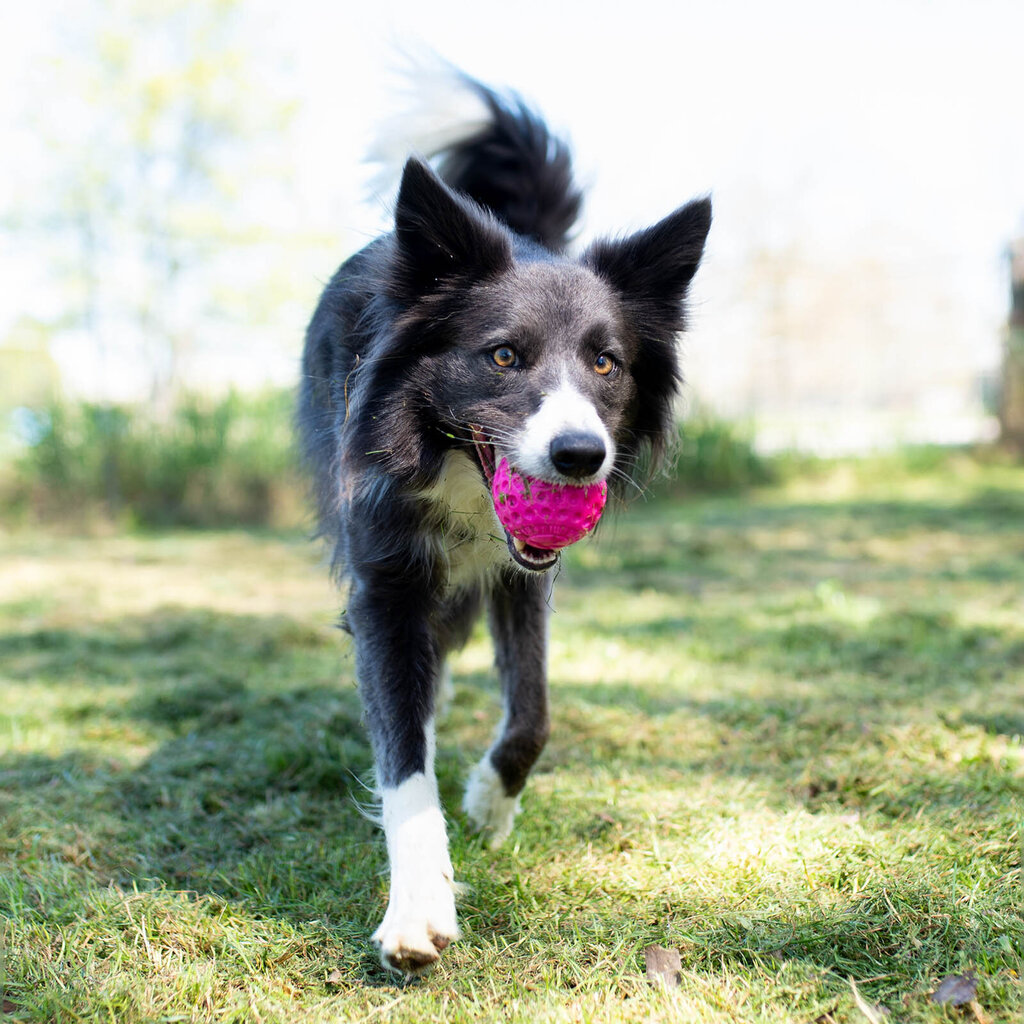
x,y
464,336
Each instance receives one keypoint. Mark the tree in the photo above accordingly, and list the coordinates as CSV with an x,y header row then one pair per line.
x,y
1011,405
151,143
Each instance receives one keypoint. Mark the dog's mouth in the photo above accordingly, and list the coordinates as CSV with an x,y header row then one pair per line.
x,y
525,555
485,453
529,557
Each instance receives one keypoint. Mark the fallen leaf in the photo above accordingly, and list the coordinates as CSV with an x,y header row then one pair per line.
x,y
956,989
664,966
336,977
979,1014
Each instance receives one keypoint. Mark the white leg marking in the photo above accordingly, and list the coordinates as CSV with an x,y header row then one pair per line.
x,y
562,409
487,805
420,919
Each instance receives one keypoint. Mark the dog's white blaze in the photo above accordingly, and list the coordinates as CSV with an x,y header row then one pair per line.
x,y
421,903
487,805
561,410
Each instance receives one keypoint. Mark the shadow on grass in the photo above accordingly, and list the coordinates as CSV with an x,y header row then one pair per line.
x,y
906,647
992,509
249,759
684,546
170,644
253,789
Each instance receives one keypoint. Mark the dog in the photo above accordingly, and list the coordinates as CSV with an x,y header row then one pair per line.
x,y
464,336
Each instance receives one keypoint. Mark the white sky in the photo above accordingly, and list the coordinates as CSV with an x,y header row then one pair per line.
x,y
890,131
902,112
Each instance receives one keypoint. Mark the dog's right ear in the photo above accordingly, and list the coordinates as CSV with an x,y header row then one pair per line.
x,y
652,269
442,235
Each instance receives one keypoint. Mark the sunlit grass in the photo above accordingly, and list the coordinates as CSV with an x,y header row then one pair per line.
x,y
787,741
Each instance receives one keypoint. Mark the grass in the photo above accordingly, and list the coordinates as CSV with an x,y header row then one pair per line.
x,y
206,462
787,741
229,461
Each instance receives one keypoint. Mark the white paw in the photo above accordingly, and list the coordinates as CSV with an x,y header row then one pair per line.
x,y
487,805
418,925
420,919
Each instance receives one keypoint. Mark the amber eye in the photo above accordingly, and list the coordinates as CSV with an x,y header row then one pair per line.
x,y
505,356
604,364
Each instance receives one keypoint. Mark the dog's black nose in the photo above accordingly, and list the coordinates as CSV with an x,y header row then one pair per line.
x,y
577,454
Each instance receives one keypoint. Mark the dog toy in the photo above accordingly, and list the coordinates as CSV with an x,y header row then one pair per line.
x,y
545,515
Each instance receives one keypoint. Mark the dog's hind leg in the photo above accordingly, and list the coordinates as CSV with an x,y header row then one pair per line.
x,y
518,620
397,663
454,623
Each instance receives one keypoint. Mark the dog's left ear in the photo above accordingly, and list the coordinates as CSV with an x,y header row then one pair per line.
x,y
442,235
652,269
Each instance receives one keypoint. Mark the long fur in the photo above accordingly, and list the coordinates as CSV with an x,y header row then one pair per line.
x,y
463,336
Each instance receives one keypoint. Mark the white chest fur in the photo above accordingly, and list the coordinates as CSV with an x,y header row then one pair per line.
x,y
471,540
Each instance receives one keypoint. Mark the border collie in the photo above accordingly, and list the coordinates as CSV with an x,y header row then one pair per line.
x,y
464,336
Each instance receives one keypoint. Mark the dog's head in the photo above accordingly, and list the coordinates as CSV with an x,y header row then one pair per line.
x,y
567,368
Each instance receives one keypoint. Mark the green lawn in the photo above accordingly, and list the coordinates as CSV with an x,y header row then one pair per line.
x,y
787,741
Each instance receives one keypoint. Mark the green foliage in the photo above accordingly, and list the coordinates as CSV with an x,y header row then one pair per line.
x,y
232,461
715,454
159,137
212,462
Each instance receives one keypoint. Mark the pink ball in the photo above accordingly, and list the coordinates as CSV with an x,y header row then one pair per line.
x,y
545,515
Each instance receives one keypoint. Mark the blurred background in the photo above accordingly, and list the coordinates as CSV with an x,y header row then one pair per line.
x,y
183,176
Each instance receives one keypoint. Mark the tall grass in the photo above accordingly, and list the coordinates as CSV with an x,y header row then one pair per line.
x,y
715,454
232,461
211,462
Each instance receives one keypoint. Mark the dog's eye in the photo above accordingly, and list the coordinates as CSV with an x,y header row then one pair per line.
x,y
505,356
605,364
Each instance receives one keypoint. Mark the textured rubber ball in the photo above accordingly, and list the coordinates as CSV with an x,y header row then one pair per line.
x,y
545,515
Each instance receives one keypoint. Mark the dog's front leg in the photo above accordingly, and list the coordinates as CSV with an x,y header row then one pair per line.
x,y
397,664
518,621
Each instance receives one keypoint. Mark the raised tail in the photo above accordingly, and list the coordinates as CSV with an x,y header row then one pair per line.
x,y
518,169
495,149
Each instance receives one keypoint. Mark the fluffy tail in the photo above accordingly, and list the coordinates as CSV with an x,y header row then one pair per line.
x,y
493,148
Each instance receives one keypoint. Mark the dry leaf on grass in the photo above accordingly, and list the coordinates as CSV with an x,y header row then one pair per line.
x,y
664,966
956,989
979,1014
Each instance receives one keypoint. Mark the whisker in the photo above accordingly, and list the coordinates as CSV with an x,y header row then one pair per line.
x,y
621,474
490,434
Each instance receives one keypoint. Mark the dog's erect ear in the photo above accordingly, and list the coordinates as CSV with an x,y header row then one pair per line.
x,y
442,235
652,269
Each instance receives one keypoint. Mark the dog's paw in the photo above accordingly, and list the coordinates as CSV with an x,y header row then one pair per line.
x,y
417,927
487,805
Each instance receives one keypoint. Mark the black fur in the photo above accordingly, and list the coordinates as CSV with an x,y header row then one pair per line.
x,y
399,369
519,170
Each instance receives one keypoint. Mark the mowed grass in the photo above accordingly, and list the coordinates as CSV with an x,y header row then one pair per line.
x,y
787,742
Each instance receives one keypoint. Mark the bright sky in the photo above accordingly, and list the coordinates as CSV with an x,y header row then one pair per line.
x,y
893,112
883,132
